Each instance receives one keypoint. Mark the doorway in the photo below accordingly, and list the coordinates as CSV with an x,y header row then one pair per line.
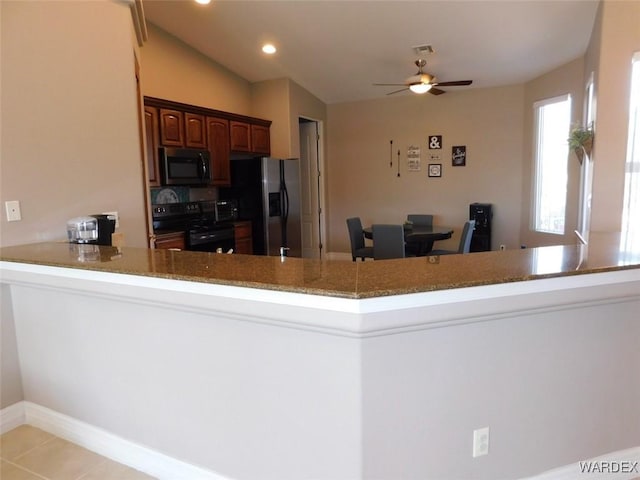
x,y
312,186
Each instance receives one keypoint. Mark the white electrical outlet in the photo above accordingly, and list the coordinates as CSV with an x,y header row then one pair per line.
x,y
481,442
115,214
13,210
503,247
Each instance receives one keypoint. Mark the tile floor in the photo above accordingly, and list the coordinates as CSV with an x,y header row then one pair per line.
x,y
28,453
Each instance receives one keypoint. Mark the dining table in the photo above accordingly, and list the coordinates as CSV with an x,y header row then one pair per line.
x,y
419,238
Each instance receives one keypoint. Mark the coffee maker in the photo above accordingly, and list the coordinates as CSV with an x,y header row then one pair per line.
x,y
92,229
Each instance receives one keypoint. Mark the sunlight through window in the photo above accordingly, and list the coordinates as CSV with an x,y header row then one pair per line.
x,y
630,239
552,122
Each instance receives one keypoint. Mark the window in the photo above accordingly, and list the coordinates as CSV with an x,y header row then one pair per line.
x,y
630,241
552,122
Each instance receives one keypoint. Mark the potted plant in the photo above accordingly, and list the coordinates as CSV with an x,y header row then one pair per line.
x,y
581,141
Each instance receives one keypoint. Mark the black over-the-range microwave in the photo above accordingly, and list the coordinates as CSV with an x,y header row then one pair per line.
x,y
184,166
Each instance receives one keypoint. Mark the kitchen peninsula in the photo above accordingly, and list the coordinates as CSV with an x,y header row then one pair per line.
x,y
260,367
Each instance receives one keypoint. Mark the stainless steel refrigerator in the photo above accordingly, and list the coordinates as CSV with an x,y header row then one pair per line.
x,y
267,191
281,201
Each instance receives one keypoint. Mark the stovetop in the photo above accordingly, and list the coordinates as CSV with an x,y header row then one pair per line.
x,y
192,216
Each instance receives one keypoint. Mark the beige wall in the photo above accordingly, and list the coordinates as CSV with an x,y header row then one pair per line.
x,y
616,36
567,79
69,118
361,182
68,108
270,100
174,71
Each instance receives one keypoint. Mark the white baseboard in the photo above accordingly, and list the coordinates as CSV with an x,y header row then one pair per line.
x,y
11,417
104,443
620,465
611,466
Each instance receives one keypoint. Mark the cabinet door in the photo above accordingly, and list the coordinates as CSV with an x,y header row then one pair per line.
x,y
151,135
195,131
260,139
171,240
171,127
218,144
243,238
240,135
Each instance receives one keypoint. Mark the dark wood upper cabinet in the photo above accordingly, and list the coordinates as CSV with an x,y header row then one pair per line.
x,y
218,141
260,139
195,130
240,134
173,124
171,127
151,130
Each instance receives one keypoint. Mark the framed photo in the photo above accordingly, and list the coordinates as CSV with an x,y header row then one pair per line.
x,y
435,169
459,156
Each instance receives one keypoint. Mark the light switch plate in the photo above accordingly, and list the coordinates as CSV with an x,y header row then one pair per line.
x,y
13,210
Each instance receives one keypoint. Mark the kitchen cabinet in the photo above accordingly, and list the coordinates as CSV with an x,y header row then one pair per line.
x,y
250,138
242,233
195,130
170,240
260,139
152,143
218,142
174,124
171,127
240,134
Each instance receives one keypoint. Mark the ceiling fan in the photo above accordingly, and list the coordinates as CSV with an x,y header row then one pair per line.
x,y
423,82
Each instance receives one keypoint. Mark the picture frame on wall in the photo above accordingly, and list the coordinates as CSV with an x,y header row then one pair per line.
x,y
459,155
435,170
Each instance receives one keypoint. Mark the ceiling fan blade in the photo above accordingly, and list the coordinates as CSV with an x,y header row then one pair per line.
x,y
398,91
436,91
457,83
388,84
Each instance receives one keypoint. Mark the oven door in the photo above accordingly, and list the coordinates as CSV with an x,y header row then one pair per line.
x,y
211,240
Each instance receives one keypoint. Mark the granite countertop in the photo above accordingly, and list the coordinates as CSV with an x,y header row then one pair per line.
x,y
336,278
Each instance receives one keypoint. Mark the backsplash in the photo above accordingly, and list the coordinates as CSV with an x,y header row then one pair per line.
x,y
163,195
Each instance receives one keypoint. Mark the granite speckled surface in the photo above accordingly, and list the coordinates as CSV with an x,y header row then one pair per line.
x,y
345,279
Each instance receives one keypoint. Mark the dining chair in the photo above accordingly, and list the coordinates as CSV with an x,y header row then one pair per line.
x,y
356,237
388,241
465,240
420,219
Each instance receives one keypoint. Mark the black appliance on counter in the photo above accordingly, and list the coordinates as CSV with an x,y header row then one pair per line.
x,y
92,229
482,213
208,225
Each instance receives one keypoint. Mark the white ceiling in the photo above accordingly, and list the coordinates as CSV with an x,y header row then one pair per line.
x,y
337,49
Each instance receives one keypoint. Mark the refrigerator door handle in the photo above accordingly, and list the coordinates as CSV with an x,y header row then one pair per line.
x,y
285,206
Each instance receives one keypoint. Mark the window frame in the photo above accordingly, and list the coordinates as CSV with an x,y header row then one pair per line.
x,y
537,164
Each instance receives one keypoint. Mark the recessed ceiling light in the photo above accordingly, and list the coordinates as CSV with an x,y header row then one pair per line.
x,y
203,2
269,49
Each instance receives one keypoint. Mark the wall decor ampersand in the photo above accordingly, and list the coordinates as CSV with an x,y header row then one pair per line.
x,y
435,142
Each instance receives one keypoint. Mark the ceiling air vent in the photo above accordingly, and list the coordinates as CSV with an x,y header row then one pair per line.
x,y
423,49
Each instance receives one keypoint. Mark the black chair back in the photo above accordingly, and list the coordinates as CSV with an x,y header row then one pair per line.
x,y
388,241
356,238
465,239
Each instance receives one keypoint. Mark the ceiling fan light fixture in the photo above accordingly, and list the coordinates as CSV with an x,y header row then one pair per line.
x,y
420,88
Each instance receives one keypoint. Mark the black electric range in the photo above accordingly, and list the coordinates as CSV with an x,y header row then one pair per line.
x,y
208,225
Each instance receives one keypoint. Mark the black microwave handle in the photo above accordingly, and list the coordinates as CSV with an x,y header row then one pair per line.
x,y
203,167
